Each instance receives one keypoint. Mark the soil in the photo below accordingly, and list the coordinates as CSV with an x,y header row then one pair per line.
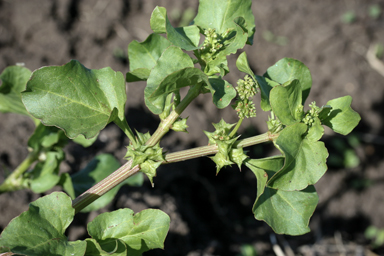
x,y
212,215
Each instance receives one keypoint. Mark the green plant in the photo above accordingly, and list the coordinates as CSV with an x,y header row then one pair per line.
x,y
376,235
81,102
348,17
374,11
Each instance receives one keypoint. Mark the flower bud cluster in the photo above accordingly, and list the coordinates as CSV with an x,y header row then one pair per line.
x,y
313,113
212,41
245,108
246,89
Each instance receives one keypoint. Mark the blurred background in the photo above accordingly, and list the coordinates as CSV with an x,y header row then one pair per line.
x,y
342,43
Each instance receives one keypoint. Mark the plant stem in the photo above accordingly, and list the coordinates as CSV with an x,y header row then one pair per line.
x,y
126,171
111,181
14,180
166,124
236,127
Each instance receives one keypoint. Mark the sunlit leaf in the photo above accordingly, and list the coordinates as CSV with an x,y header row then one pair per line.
x,y
40,230
220,14
305,159
287,212
341,118
186,38
140,232
285,100
143,56
173,59
288,69
76,99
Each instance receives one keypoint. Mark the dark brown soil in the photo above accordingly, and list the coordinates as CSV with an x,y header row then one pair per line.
x,y
212,215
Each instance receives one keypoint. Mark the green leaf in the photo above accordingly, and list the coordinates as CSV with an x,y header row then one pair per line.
x,y
316,131
143,56
287,212
266,86
285,100
44,138
217,66
76,99
96,170
81,140
238,41
173,59
174,82
113,248
305,159
140,74
341,118
186,38
288,69
45,174
66,183
243,65
223,92
40,230
264,168
140,232
14,80
158,20
220,14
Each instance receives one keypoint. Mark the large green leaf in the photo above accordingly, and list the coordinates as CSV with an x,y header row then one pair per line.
x,y
288,69
96,170
14,80
143,56
40,230
173,59
186,38
220,14
140,232
341,118
76,99
287,212
285,101
305,159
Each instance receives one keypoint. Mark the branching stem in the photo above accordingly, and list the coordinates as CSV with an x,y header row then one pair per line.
x,y
126,171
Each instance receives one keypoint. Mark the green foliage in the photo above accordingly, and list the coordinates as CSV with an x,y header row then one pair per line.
x,y
348,17
76,102
14,79
287,212
376,235
40,230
